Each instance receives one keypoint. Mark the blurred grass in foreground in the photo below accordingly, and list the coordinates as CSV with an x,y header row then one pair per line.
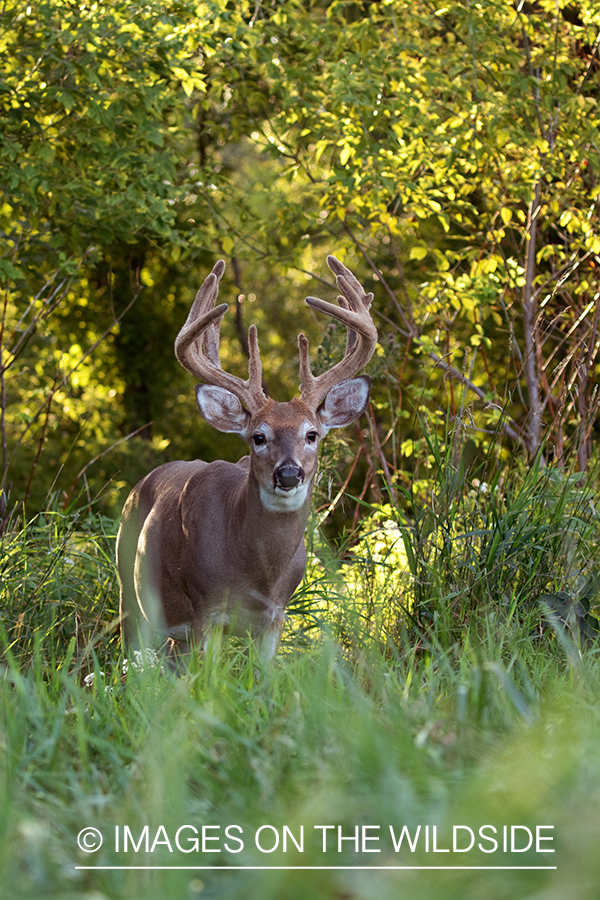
x,y
316,742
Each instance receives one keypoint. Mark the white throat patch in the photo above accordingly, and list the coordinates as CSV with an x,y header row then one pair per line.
x,y
279,500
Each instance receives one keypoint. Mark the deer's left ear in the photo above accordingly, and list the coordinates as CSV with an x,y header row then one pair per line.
x,y
344,403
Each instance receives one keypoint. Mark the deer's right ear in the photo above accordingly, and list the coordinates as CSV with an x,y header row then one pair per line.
x,y
222,409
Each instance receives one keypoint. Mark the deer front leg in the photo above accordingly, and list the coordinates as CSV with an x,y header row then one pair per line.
x,y
282,593
269,642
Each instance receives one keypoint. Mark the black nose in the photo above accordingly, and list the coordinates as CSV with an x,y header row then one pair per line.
x,y
289,475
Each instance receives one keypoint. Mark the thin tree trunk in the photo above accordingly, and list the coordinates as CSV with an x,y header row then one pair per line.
x,y
533,428
586,414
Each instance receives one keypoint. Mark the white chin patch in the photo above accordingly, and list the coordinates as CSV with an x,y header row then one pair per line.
x,y
279,500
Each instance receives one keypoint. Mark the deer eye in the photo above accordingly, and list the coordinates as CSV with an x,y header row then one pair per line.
x,y
311,437
259,439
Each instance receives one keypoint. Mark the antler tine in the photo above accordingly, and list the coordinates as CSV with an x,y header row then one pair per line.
x,y
255,366
351,334
197,346
353,312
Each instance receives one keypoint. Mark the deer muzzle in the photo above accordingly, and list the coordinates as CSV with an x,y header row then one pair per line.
x,y
289,475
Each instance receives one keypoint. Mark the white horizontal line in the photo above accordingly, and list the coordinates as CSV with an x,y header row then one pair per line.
x,y
328,868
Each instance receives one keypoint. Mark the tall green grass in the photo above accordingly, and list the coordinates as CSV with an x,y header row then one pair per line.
x,y
424,681
442,741
58,587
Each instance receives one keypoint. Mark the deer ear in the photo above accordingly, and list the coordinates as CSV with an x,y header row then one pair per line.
x,y
222,409
344,403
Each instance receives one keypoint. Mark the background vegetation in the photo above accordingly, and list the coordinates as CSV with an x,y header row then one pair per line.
x,y
448,153
440,664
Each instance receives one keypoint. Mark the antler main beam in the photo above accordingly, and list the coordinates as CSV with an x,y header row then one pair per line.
x,y
353,312
197,346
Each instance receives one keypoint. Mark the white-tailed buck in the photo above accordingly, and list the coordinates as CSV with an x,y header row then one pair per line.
x,y
207,547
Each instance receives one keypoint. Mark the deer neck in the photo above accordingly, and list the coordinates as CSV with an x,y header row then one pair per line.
x,y
273,530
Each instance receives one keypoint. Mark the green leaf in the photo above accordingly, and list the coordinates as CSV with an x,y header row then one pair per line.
x,y
9,270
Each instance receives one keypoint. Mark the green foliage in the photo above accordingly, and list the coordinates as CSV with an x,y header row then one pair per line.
x,y
58,588
448,154
88,95
104,209
503,538
455,148
517,547
110,199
